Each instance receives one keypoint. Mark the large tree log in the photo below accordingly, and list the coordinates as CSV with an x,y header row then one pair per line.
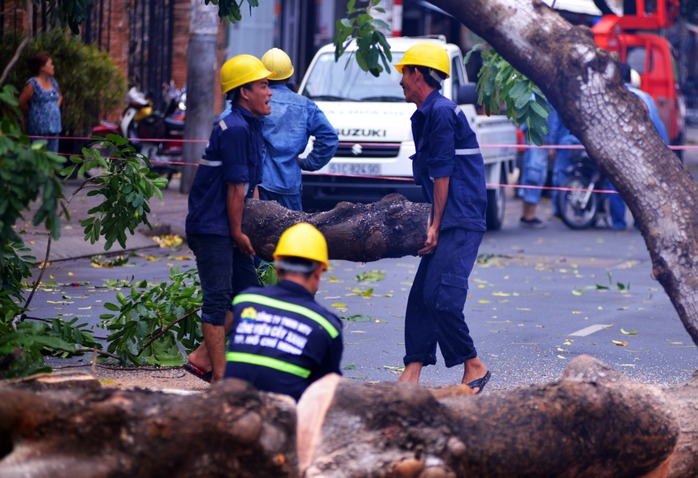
x,y
391,227
232,430
592,423
584,85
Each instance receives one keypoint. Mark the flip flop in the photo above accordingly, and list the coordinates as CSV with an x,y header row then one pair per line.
x,y
197,372
480,382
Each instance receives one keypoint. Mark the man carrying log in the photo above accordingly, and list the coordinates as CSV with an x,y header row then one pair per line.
x,y
227,175
282,339
449,167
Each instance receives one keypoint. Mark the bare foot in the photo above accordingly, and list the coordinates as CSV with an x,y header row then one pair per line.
x,y
411,373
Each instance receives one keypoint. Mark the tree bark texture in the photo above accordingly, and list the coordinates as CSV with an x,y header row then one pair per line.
x,y
232,430
584,85
591,423
391,227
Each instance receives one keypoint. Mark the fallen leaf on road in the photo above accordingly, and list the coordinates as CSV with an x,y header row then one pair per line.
x,y
625,332
619,343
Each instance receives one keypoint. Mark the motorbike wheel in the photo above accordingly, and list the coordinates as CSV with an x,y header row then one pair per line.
x,y
575,212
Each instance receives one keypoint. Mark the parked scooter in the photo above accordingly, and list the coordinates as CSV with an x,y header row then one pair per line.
x,y
154,134
580,204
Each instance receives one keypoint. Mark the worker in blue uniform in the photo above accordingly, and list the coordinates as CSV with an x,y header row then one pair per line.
x,y
282,340
293,120
449,167
227,175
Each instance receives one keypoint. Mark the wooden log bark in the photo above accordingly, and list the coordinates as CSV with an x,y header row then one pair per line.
x,y
591,423
231,430
391,227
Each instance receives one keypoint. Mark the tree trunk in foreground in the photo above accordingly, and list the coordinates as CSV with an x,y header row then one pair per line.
x,y
232,430
584,85
391,227
591,423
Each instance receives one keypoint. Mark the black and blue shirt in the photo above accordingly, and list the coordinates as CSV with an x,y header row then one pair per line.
x,y
282,340
234,154
445,146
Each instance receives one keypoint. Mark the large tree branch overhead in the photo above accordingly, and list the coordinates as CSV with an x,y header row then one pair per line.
x,y
583,83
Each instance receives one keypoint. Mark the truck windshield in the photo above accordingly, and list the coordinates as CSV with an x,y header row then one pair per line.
x,y
345,81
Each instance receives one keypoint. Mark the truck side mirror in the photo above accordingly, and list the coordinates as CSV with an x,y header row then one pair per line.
x,y
465,94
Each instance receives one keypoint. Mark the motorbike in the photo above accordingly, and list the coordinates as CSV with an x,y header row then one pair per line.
x,y
580,203
156,135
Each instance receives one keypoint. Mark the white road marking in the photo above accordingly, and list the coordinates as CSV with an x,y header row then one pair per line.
x,y
590,330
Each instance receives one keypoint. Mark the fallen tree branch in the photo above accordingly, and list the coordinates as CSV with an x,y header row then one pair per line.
x,y
391,227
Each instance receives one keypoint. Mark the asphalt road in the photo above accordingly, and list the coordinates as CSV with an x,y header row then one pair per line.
x,y
537,299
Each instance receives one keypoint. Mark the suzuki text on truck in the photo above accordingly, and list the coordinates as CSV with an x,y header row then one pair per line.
x,y
375,136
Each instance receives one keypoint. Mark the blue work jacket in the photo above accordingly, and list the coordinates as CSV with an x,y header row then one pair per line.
x,y
447,146
283,340
234,154
293,119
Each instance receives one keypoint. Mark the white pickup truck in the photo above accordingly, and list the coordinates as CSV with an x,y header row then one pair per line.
x,y
372,120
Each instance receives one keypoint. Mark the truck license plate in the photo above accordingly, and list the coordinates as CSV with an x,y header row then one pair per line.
x,y
355,168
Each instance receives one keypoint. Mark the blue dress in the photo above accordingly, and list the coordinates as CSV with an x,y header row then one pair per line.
x,y
44,113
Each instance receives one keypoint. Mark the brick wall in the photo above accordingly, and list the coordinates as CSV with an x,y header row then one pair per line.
x,y
115,36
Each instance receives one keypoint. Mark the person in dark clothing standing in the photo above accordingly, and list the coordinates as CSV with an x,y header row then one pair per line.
x,y
282,339
449,167
227,175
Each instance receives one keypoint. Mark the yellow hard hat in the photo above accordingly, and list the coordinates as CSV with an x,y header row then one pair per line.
x,y
302,240
426,54
277,60
240,70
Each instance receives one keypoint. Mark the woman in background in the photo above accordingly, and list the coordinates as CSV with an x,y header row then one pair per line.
x,y
41,100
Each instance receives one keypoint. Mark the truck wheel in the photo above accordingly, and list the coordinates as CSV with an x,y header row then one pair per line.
x,y
496,201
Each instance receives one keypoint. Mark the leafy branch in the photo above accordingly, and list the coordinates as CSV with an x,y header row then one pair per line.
x,y
499,83
373,53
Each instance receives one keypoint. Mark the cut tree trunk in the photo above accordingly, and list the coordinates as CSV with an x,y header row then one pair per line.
x,y
391,227
591,423
232,430
584,85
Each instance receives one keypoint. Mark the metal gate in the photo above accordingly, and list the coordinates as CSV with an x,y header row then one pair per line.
x,y
150,45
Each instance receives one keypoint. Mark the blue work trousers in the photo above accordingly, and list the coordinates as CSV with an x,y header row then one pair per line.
x,y
534,172
224,272
561,171
289,201
617,208
435,304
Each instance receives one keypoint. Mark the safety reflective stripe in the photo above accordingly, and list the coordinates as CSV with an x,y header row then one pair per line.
x,y
297,309
206,162
461,152
268,362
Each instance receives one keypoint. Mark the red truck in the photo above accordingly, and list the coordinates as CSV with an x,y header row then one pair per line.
x,y
633,35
